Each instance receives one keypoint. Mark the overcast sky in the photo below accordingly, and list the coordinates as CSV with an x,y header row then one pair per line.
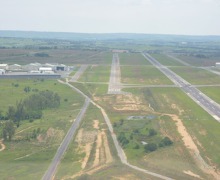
x,y
195,17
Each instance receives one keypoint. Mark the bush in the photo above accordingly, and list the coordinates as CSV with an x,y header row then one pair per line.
x,y
166,142
150,147
152,132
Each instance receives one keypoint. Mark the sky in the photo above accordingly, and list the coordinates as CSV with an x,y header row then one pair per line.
x,y
187,17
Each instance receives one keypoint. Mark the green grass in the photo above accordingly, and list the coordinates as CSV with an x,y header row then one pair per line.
x,y
147,75
96,74
165,60
197,76
132,59
212,92
34,156
194,118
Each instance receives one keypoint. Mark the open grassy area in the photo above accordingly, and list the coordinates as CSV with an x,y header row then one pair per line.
x,y
148,75
165,60
212,92
197,121
132,59
173,160
33,155
96,73
197,76
196,61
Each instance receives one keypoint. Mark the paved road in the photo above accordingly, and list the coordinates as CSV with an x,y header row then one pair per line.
x,y
201,99
115,76
119,149
80,71
49,174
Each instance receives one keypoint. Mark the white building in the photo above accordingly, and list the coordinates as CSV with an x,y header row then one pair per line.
x,y
4,66
217,64
46,70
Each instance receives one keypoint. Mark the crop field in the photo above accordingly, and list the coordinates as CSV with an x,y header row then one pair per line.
x,y
96,73
148,75
132,59
33,155
197,76
165,60
195,61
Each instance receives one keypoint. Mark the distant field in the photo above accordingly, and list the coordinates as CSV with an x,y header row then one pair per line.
x,y
68,57
143,75
132,59
96,73
195,61
196,75
34,156
165,60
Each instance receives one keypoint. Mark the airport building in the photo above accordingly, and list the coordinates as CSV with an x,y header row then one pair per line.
x,y
4,66
15,67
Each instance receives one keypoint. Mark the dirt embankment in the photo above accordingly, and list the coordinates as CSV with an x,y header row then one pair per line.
x,y
96,148
191,145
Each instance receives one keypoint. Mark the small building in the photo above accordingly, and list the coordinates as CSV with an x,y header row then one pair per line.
x,y
4,66
217,64
15,67
2,71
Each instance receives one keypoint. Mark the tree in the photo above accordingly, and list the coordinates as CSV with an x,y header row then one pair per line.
x,y
152,132
150,147
166,141
8,130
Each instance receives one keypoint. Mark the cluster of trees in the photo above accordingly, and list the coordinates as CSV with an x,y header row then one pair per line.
x,y
31,108
41,54
122,139
153,146
28,109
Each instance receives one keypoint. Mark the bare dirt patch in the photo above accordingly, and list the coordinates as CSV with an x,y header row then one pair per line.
x,y
2,145
192,174
102,154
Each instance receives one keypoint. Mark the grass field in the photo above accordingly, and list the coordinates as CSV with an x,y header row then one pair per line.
x,y
132,59
195,61
165,60
197,76
96,73
212,92
68,57
148,75
33,156
194,118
